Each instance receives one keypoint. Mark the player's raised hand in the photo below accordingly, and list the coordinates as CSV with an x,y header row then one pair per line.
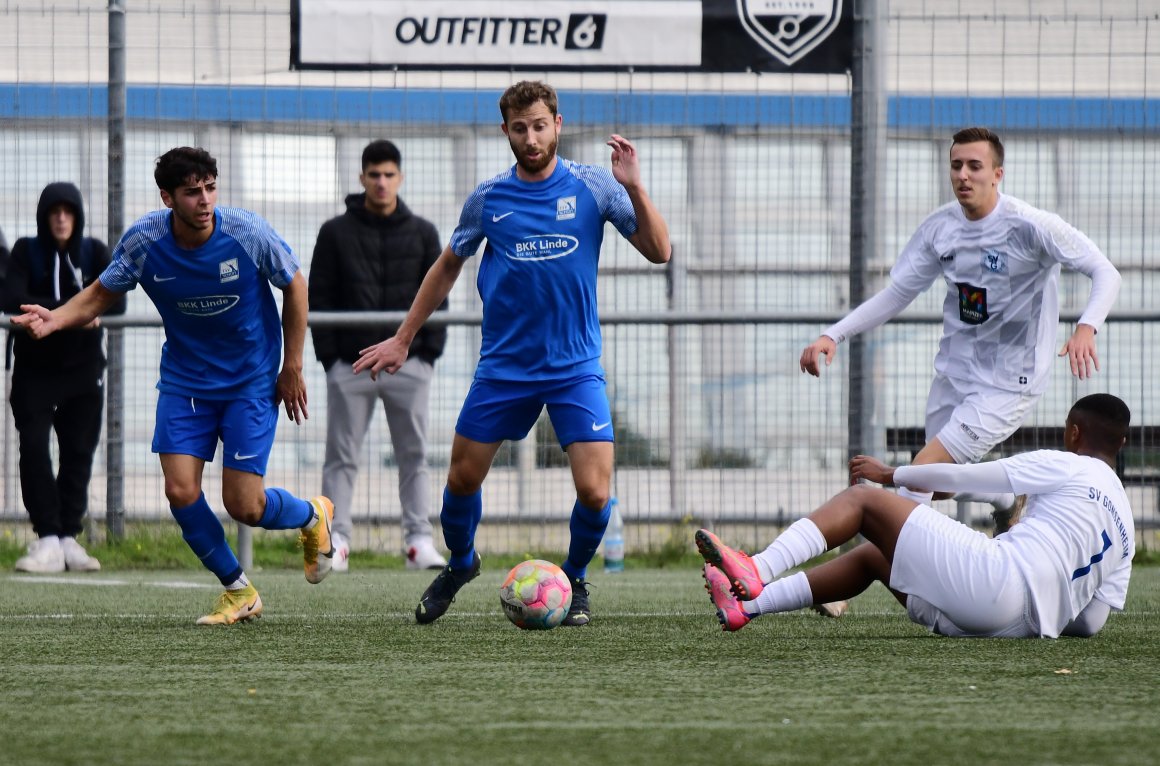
x,y
388,355
1080,349
871,469
36,320
824,346
290,390
625,163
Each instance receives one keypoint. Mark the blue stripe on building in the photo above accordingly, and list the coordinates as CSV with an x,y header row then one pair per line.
x,y
215,103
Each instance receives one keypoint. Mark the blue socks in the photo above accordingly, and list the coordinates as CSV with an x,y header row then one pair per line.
x,y
587,527
285,511
461,514
206,536
460,517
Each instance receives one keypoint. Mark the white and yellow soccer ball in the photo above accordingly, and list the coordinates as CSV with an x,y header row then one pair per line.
x,y
536,595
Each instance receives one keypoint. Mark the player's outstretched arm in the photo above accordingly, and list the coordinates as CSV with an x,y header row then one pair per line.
x,y
391,353
823,346
652,233
290,390
1080,349
81,310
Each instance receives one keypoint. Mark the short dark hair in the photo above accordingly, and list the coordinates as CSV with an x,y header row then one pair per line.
x,y
185,163
974,135
524,94
1105,420
381,151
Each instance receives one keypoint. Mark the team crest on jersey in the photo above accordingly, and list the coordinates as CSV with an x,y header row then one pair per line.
x,y
228,270
972,303
565,208
995,261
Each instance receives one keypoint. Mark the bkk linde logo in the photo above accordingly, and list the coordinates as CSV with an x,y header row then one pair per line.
x,y
581,31
789,29
544,247
207,305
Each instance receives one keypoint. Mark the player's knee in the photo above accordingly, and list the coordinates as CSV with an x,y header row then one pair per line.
x,y
593,498
181,494
243,509
462,483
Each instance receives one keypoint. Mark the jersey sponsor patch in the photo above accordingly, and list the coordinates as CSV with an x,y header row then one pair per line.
x,y
565,208
544,247
207,306
972,303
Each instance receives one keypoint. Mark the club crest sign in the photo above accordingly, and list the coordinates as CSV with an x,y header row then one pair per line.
x,y
789,29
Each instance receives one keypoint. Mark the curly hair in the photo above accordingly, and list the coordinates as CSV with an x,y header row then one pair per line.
x,y
185,163
523,94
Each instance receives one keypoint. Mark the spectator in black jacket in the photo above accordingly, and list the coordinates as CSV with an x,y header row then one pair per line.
x,y
373,257
57,383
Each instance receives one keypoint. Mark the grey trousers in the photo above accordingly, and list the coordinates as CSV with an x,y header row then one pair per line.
x,y
350,404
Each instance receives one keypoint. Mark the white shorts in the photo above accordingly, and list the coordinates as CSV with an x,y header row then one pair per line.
x,y
959,582
970,419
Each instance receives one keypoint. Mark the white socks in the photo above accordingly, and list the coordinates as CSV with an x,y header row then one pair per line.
x,y
784,595
799,543
239,583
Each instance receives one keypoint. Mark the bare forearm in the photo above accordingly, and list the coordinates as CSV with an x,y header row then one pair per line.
x,y
295,307
436,286
652,233
84,307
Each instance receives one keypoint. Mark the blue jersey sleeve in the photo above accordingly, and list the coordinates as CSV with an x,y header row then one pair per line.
x,y
468,235
128,259
613,201
275,260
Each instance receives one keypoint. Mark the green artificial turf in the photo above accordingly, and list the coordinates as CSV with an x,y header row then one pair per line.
x,y
339,673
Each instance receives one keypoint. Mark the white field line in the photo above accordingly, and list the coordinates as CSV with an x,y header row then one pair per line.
x,y
90,580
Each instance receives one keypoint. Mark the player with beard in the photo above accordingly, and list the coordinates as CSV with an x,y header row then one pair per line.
x,y
543,222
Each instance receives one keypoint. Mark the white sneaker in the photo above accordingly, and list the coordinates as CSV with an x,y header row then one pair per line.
x,y
421,554
76,558
44,556
832,609
341,560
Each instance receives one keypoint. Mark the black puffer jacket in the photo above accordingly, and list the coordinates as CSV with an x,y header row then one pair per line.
x,y
366,262
32,269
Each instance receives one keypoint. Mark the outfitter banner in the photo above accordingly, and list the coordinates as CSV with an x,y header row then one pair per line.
x,y
613,35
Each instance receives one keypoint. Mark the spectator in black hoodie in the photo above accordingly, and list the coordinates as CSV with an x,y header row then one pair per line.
x,y
57,382
373,258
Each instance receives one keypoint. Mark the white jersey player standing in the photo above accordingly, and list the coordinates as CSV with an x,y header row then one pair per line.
x,y
1000,259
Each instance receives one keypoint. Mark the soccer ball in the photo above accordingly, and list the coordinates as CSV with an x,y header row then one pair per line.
x,y
536,595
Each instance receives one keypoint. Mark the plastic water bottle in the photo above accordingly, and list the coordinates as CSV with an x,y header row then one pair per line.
x,y
614,540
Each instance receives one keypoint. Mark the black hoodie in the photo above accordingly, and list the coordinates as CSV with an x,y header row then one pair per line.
x,y
37,273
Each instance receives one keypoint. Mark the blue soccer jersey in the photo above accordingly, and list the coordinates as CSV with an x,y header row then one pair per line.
x,y
537,276
223,334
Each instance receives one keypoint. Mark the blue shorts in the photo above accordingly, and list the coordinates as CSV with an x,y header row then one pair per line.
x,y
188,426
496,410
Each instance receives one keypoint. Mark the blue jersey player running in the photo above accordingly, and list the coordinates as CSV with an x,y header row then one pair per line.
x,y
207,269
543,222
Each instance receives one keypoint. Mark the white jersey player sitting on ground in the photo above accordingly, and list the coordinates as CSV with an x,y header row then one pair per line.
x,y
1060,571
1001,260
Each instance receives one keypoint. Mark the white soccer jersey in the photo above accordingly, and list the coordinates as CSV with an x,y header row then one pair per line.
x,y
1001,311
1076,539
